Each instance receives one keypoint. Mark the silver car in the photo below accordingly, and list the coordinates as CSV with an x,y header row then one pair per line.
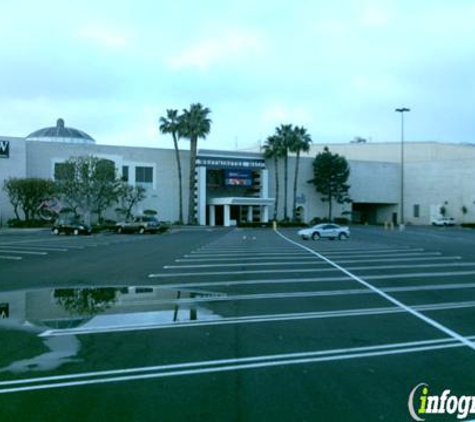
x,y
326,230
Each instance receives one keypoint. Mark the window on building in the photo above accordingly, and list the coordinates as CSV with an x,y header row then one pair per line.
x,y
144,176
125,173
416,211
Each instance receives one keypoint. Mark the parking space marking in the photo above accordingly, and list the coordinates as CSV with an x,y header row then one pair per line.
x,y
12,258
383,294
224,365
34,247
298,258
23,252
295,281
310,262
310,270
254,319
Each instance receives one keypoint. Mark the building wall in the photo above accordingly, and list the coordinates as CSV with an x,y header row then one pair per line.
x,y
433,184
162,196
14,166
370,182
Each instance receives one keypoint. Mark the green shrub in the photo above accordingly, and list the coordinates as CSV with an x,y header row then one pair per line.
x,y
15,223
341,220
468,225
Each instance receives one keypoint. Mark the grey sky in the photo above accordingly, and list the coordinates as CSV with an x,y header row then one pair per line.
x,y
112,68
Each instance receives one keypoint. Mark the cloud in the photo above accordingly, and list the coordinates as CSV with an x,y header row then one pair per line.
x,y
226,47
277,113
105,37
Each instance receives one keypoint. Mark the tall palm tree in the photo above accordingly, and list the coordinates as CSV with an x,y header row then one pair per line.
x,y
300,143
171,124
195,124
286,135
273,149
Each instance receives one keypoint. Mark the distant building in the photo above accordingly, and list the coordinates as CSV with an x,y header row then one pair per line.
x,y
236,186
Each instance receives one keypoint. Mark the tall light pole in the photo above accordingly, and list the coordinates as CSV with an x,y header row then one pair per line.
x,y
402,111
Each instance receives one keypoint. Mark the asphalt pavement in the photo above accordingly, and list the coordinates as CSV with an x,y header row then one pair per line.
x,y
234,325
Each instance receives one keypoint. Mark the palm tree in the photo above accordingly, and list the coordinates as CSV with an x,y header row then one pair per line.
x,y
286,135
273,149
171,124
301,143
195,124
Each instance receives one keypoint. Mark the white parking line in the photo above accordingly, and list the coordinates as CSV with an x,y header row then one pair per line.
x,y
223,365
311,270
23,252
308,262
265,318
12,258
294,281
381,293
303,257
34,248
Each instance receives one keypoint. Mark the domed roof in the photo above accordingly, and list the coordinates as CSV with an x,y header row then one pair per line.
x,y
60,133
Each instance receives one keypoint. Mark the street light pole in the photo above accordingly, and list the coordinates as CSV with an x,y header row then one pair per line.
x,y
402,111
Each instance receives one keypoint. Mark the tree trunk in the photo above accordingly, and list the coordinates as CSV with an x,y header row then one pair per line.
x,y
276,208
330,200
286,177
180,187
294,206
191,195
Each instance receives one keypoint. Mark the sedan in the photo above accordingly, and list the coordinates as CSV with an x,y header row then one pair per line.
x,y
70,226
141,224
330,231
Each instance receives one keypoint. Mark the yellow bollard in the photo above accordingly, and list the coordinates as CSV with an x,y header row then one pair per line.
x,y
274,225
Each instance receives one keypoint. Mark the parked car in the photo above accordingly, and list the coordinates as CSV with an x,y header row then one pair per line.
x,y
327,230
443,221
141,224
70,226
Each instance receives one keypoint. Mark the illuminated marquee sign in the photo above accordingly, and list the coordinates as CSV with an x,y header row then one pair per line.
x,y
4,149
218,162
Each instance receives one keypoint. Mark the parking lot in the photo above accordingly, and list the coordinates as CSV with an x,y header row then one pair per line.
x,y
238,325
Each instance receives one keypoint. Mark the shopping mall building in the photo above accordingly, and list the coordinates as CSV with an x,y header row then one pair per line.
x,y
239,186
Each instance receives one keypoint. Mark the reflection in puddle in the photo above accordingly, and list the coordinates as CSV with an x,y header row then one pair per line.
x,y
62,350
101,309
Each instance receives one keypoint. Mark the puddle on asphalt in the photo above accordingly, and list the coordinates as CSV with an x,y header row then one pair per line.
x,y
52,319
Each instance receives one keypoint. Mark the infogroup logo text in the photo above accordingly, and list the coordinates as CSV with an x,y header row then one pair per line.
x,y
421,404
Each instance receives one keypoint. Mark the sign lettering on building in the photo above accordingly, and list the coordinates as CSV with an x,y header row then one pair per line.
x,y
4,149
225,162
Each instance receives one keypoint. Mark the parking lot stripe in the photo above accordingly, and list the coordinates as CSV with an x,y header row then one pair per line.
x,y
223,365
310,270
380,292
251,319
294,281
13,258
303,257
22,252
308,262
34,247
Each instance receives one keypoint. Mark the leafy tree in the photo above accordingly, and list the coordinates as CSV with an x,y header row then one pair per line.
x,y
88,184
172,124
86,301
331,172
130,196
195,124
300,142
28,194
274,149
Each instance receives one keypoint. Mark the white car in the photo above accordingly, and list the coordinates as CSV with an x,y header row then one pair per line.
x,y
326,230
443,221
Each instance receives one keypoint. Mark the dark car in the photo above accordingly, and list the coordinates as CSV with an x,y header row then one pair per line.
x,y
70,226
142,224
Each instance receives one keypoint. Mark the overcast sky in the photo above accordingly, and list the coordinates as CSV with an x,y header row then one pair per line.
x,y
340,68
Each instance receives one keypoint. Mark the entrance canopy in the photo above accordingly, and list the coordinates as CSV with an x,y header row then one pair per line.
x,y
229,211
240,201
